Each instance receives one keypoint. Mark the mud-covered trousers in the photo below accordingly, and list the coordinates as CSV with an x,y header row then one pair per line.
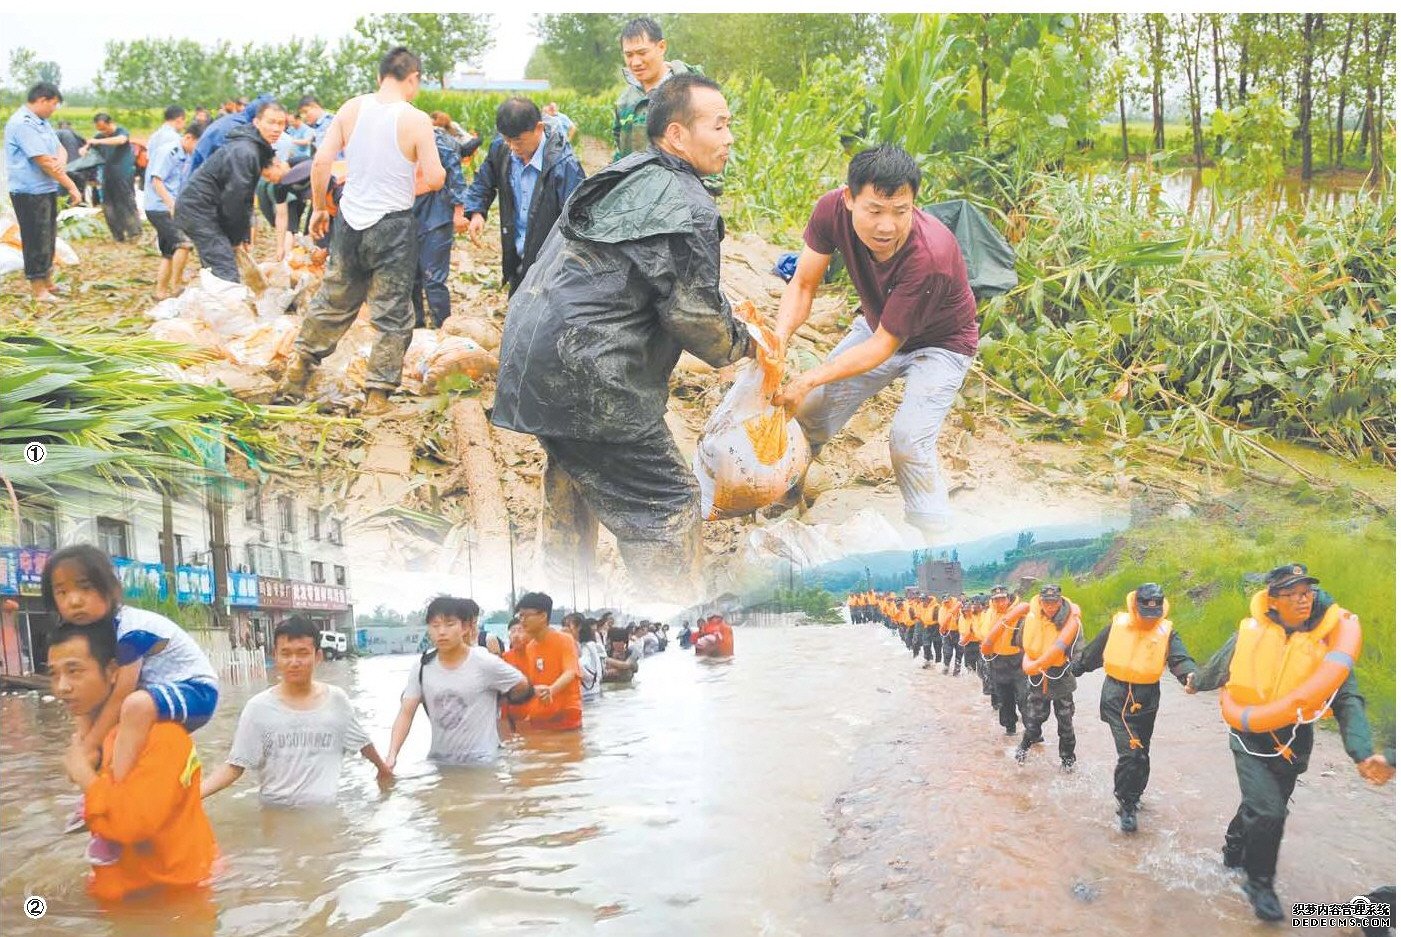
x,y
933,377
375,266
1130,711
1266,784
643,492
1008,688
952,652
1037,708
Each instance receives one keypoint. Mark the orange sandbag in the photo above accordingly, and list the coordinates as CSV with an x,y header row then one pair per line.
x,y
750,453
457,354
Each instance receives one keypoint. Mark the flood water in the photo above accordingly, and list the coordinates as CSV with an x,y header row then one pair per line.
x,y
819,783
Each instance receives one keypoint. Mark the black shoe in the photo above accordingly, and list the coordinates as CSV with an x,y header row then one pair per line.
x,y
1021,754
1067,763
946,668
1128,819
1261,892
1011,730
926,665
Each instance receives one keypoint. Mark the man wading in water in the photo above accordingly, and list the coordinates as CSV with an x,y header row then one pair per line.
x,y
391,157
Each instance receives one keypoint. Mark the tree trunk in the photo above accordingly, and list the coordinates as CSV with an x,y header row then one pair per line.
x,y
1244,56
1123,113
1379,125
1311,27
1193,64
1216,69
983,76
219,549
1155,27
168,557
1337,146
1370,95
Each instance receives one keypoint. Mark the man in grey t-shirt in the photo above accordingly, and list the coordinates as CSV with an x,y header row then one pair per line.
x,y
460,685
297,732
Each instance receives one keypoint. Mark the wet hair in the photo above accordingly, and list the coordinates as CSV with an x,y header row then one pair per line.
x,y
672,103
306,100
294,628
516,116
101,117
268,106
464,610
399,63
617,635
43,91
586,630
195,129
174,112
641,27
102,642
574,617
887,167
96,566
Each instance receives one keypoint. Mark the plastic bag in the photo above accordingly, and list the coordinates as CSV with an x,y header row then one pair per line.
x,y
477,328
225,306
265,344
415,371
11,260
186,332
457,354
750,453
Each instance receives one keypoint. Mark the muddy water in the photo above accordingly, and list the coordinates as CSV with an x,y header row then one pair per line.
x,y
818,784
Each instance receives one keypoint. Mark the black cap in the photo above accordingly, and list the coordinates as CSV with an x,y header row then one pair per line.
x,y
1149,599
1282,577
538,601
1051,590
1000,592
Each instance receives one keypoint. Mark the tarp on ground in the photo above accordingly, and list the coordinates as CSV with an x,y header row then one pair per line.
x,y
991,262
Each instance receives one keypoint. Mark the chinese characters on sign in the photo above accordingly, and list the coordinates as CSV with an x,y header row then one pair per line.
x,y
284,593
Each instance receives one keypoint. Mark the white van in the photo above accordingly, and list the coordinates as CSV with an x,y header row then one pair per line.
x,y
333,645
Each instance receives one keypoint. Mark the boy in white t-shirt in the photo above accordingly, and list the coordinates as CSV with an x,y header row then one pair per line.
x,y
459,685
296,733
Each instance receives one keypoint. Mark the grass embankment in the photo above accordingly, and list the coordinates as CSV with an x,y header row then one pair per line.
x,y
1202,564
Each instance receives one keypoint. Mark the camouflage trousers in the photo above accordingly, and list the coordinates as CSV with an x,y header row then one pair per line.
x,y
377,266
1036,709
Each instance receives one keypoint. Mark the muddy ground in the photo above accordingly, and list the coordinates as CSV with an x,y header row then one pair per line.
x,y
433,488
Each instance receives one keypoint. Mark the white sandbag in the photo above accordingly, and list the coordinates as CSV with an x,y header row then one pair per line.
x,y
11,260
64,255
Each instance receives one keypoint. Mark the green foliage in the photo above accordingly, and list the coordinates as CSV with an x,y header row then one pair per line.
x,y
579,50
109,411
816,603
1255,136
779,46
1202,566
788,148
476,110
26,69
1138,320
442,40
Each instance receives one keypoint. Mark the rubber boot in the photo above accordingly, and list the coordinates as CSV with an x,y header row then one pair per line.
x,y
1233,852
1261,892
1128,817
1021,753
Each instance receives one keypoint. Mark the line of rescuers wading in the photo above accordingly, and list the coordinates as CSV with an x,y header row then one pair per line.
x,y
1289,664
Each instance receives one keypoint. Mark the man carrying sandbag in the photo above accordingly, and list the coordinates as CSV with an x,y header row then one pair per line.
x,y
628,278
918,322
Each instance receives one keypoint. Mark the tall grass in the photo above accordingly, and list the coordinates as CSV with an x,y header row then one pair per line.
x,y
1203,564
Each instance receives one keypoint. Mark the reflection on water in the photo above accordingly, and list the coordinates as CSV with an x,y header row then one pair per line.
x,y
818,784
1187,191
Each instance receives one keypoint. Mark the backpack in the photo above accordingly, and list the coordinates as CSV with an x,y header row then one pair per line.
x,y
423,662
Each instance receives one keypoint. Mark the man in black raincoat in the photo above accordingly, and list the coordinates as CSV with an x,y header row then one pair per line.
x,y
628,278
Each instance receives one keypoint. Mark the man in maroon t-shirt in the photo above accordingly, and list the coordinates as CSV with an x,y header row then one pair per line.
x,y
918,321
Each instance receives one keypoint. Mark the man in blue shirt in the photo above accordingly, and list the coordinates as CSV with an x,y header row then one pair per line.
x,y
165,176
34,161
534,170
316,117
168,134
440,215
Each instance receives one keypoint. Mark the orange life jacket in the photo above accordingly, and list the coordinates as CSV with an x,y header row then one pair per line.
x,y
1039,631
1136,651
1270,661
1005,644
948,615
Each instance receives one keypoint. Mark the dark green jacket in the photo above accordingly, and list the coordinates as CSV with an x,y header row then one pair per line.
x,y
628,278
630,111
1349,706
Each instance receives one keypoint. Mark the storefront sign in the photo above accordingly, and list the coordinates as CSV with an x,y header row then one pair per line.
x,y
9,570
274,593
319,595
194,584
243,589
31,570
140,579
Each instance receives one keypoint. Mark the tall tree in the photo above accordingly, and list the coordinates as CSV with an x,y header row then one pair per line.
x,y
1189,42
1155,34
1313,26
1123,113
578,50
442,40
1337,145
26,68
778,45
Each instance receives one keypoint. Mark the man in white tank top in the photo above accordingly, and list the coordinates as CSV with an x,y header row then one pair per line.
x,y
391,158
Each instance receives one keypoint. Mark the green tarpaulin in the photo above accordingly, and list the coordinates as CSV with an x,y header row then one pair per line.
x,y
992,265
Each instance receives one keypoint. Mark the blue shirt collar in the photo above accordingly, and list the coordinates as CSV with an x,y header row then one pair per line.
x,y
537,161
